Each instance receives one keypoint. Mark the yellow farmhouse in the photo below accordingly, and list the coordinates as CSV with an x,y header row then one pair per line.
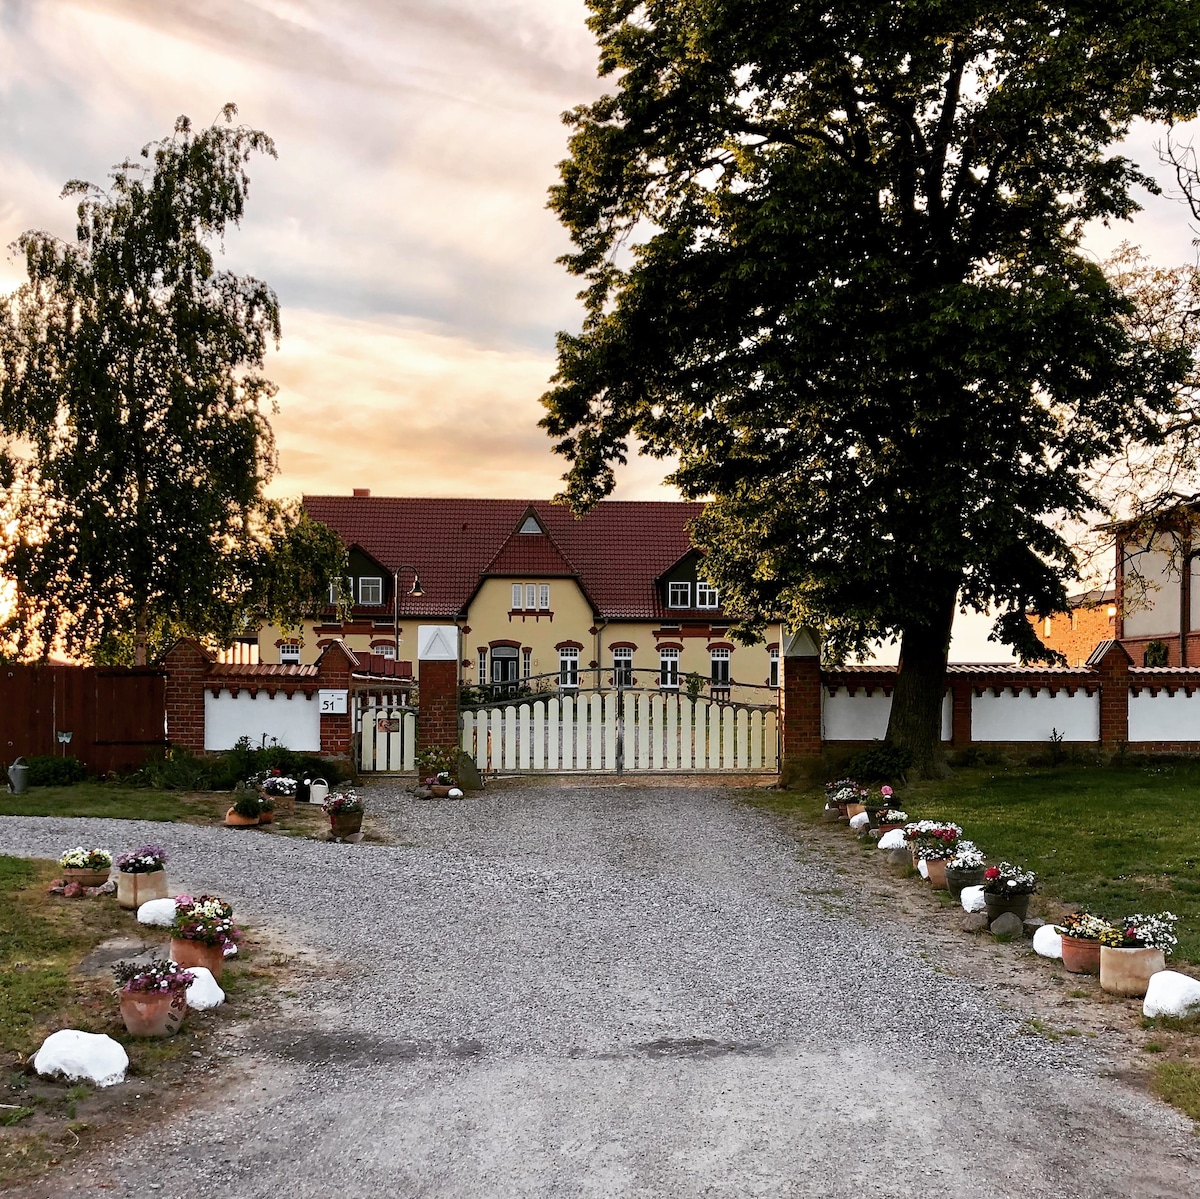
x,y
534,595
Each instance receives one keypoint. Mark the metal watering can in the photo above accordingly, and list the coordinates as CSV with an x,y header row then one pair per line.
x,y
318,791
18,777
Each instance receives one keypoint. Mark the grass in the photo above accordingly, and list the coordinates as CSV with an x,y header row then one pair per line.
x,y
1178,1083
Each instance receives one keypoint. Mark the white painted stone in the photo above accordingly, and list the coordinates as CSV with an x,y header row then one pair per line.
x,y
230,950
972,899
859,821
923,868
82,1057
204,992
1172,994
1047,942
455,793
159,912
892,840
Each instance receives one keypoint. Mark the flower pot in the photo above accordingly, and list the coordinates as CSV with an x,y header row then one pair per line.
x,y
937,872
1081,955
346,824
135,889
85,878
440,790
266,817
957,879
199,953
153,1013
283,803
233,820
997,905
855,809
1128,971
887,828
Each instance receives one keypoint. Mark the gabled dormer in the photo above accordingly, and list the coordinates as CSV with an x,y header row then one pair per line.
x,y
367,582
681,588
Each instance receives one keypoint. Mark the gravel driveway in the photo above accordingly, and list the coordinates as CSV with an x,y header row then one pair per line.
x,y
603,990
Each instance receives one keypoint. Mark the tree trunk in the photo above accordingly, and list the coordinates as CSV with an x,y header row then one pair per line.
x,y
141,637
915,723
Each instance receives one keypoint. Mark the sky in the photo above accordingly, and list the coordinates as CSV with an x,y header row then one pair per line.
x,y
404,225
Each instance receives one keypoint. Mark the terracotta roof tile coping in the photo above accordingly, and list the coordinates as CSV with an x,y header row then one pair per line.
x,y
971,668
250,670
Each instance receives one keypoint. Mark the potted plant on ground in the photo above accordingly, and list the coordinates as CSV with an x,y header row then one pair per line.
x,y
276,786
965,869
141,876
266,809
842,793
87,867
1081,933
200,931
245,811
933,842
1133,949
345,811
891,818
1007,888
153,996
436,766
876,805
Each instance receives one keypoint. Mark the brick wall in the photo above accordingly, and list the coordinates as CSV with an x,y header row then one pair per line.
x,y
437,713
187,666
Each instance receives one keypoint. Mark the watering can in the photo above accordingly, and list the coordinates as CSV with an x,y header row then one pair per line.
x,y
318,791
18,777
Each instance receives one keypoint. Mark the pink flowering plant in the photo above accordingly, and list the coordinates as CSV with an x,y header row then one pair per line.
x,y
207,919
932,840
146,859
155,977
343,803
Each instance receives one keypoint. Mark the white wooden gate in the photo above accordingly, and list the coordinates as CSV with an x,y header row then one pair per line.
x,y
628,730
386,729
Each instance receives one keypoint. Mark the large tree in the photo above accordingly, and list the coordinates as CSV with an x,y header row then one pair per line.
x,y
833,263
136,413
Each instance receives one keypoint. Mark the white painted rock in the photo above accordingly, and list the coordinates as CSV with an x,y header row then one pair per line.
x,y
892,840
972,899
1047,942
204,992
82,1057
455,793
1171,994
157,911
923,868
230,950
859,821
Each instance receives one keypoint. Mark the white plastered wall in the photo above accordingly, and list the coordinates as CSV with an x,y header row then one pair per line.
x,y
1157,611
294,722
863,717
1029,716
1164,717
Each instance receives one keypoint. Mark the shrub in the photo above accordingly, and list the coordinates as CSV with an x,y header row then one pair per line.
x,y
48,771
882,763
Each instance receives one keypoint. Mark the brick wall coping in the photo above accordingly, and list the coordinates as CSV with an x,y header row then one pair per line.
x,y
260,670
985,677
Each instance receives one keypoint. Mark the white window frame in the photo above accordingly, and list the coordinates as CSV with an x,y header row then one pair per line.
x,y
526,662
385,651
622,666
720,661
518,596
773,677
483,667
568,668
543,598
530,597
707,596
339,588
668,669
679,595
368,584
289,653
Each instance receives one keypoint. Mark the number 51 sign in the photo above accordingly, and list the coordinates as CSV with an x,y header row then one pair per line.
x,y
333,703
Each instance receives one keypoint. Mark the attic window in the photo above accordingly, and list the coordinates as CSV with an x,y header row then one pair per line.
x,y
530,525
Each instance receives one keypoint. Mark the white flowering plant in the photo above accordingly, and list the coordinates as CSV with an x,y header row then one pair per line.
x,y
206,918
968,856
932,840
1007,879
146,859
86,859
893,816
845,791
152,978
1083,926
343,803
1143,932
272,782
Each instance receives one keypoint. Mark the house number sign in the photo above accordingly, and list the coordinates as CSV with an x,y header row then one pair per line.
x,y
333,703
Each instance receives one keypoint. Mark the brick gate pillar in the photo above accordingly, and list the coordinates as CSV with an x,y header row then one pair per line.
x,y
1111,661
800,715
186,666
335,667
437,697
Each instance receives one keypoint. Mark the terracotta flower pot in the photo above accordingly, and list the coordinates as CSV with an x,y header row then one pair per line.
x,y
1081,955
887,828
135,889
199,953
997,905
85,878
440,790
153,1013
283,803
937,872
266,817
233,820
345,824
957,879
1128,971
855,809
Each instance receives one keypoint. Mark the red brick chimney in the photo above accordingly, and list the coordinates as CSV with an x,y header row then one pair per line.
x,y
362,491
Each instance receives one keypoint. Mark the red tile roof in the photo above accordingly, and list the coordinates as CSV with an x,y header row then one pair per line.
x,y
617,550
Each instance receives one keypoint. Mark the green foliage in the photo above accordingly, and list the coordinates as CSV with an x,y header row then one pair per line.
x,y
178,769
1157,654
49,771
693,684
132,372
436,759
832,263
882,764
247,805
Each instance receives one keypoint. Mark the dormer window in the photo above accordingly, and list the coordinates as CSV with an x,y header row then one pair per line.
x,y
340,588
370,590
706,595
679,595
530,525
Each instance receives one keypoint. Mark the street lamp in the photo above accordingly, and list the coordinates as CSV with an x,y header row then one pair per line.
x,y
415,591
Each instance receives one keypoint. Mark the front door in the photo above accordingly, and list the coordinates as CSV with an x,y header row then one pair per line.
x,y
504,669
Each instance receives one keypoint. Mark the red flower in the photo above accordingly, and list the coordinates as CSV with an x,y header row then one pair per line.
x,y
277,773
991,872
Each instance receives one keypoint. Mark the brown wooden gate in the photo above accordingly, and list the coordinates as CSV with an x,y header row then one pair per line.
x,y
114,714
